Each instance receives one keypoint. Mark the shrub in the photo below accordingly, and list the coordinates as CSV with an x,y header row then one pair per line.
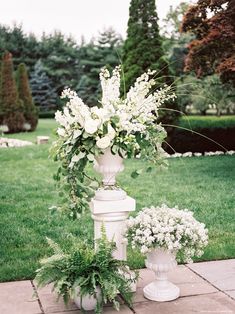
x,y
212,133
24,92
11,106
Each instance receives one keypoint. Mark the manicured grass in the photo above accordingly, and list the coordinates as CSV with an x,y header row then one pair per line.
x,y
45,127
207,122
204,184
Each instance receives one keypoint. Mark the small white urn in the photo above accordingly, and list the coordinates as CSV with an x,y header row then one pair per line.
x,y
109,165
161,262
88,302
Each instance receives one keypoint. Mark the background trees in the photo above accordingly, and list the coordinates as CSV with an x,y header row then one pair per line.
x,y
11,107
207,46
29,110
213,49
43,92
143,50
105,51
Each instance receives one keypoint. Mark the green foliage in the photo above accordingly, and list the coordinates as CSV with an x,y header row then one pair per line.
x,y
75,186
94,56
24,48
60,57
11,107
81,270
207,122
24,92
44,94
143,50
206,93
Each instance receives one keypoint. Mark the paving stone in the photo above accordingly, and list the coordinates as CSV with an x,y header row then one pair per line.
x,y
231,293
50,304
108,310
215,303
220,273
188,282
17,298
123,310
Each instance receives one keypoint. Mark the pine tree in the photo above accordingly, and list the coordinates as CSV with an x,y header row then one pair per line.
x,y
143,50
44,94
24,92
11,105
92,58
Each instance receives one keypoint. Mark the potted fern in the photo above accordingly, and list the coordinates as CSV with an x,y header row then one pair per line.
x,y
91,277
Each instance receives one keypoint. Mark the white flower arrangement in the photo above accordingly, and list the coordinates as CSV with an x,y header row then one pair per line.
x,y
127,125
169,228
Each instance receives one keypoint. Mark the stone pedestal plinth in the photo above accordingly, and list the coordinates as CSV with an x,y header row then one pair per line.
x,y
112,214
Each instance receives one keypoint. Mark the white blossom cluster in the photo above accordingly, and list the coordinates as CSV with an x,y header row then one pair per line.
x,y
169,228
114,117
190,154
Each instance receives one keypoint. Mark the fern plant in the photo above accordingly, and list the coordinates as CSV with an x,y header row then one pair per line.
x,y
82,268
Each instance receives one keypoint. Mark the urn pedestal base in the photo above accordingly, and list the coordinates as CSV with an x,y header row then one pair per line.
x,y
161,262
112,215
158,291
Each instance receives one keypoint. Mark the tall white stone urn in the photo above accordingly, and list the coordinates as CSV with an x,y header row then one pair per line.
x,y
161,289
109,165
111,205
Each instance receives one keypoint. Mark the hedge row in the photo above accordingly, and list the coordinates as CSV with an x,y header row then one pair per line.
x,y
204,134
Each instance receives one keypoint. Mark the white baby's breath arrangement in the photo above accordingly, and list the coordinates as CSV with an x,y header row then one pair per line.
x,y
168,228
127,125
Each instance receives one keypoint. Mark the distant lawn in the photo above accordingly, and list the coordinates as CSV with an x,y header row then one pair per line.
x,y
203,184
204,122
45,127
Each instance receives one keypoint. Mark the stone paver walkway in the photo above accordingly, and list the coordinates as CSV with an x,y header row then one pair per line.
x,y
207,287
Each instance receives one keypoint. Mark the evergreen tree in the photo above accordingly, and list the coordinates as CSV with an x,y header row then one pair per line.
x,y
44,94
143,50
60,58
92,58
11,105
24,48
24,92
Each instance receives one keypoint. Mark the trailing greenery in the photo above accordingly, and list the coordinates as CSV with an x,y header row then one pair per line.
x,y
24,92
80,270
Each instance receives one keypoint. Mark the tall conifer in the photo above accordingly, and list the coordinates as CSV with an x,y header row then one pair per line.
x,y
143,50
24,92
11,106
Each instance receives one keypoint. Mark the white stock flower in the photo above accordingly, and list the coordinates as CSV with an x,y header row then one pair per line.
x,y
91,126
103,142
111,132
61,132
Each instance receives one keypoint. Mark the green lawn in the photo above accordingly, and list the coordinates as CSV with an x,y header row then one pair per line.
x,y
210,122
203,184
